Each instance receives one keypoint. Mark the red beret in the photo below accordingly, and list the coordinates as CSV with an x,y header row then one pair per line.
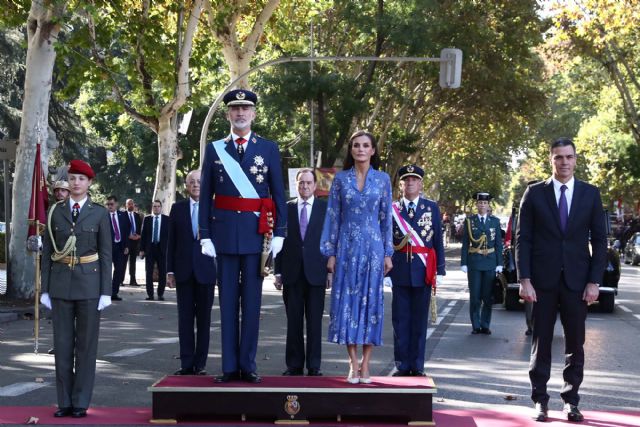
x,y
78,166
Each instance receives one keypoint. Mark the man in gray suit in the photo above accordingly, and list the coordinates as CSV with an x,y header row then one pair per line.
x,y
76,286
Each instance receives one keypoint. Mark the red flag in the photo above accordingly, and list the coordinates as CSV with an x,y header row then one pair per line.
x,y
508,236
39,197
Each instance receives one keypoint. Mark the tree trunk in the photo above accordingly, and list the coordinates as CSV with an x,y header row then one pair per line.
x,y
42,30
168,155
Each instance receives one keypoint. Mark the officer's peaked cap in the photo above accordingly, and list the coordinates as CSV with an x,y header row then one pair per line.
x,y
240,97
410,170
482,196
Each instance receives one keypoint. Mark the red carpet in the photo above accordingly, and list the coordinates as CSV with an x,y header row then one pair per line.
x,y
198,381
444,418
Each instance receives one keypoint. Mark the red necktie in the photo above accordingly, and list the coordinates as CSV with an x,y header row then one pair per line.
x,y
240,142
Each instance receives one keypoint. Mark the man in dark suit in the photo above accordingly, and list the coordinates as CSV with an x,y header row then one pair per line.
x,y
243,172
135,227
120,240
76,286
418,263
302,274
194,276
153,246
559,217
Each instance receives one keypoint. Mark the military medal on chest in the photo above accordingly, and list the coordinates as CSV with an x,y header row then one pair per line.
x,y
258,168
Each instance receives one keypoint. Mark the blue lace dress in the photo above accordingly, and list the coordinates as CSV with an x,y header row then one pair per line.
x,y
357,231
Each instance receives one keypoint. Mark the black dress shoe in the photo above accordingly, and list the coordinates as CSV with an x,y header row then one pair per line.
x,y
251,377
227,377
418,374
133,284
149,298
573,413
476,331
160,298
314,372
528,332
401,373
115,298
63,412
79,413
292,372
485,331
201,371
183,371
542,412
52,350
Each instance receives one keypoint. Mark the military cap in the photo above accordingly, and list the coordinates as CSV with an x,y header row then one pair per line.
x,y
63,185
482,196
80,167
410,170
240,97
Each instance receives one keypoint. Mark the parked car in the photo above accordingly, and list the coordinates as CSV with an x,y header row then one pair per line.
x,y
632,250
608,287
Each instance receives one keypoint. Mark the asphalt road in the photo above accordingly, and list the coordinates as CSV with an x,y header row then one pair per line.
x,y
139,345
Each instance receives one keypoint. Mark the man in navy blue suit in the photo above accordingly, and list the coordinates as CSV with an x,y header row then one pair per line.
x,y
559,219
418,263
153,246
243,172
119,245
301,270
194,277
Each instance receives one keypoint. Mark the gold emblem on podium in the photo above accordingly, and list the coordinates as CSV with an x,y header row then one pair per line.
x,y
292,406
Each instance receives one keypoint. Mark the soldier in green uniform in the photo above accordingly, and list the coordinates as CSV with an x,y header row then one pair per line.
x,y
76,286
481,260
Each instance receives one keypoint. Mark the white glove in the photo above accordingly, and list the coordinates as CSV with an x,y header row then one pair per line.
x,y
39,242
276,245
464,269
439,280
45,300
207,248
105,301
499,269
387,282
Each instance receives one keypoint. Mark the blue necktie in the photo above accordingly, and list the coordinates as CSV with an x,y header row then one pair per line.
x,y
194,220
563,209
156,231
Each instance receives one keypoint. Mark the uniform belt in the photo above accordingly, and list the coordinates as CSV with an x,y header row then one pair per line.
x,y
239,203
415,249
431,267
265,206
79,260
488,251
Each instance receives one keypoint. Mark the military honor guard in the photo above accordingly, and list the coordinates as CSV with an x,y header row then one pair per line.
x,y
61,190
245,226
194,277
76,286
481,259
418,264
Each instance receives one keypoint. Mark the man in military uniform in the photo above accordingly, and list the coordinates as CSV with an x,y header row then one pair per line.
x,y
60,190
418,263
76,286
481,260
243,173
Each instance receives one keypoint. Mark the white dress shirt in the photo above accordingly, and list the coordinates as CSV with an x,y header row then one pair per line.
x,y
80,202
568,193
309,207
247,137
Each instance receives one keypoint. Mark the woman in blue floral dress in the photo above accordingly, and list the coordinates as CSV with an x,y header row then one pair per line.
x,y
357,239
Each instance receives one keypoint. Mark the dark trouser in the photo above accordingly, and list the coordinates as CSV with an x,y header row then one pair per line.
x,y
410,315
240,289
303,301
76,325
194,303
134,249
119,260
573,313
480,297
154,256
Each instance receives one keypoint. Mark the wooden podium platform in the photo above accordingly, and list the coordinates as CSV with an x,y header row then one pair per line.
x,y
294,400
